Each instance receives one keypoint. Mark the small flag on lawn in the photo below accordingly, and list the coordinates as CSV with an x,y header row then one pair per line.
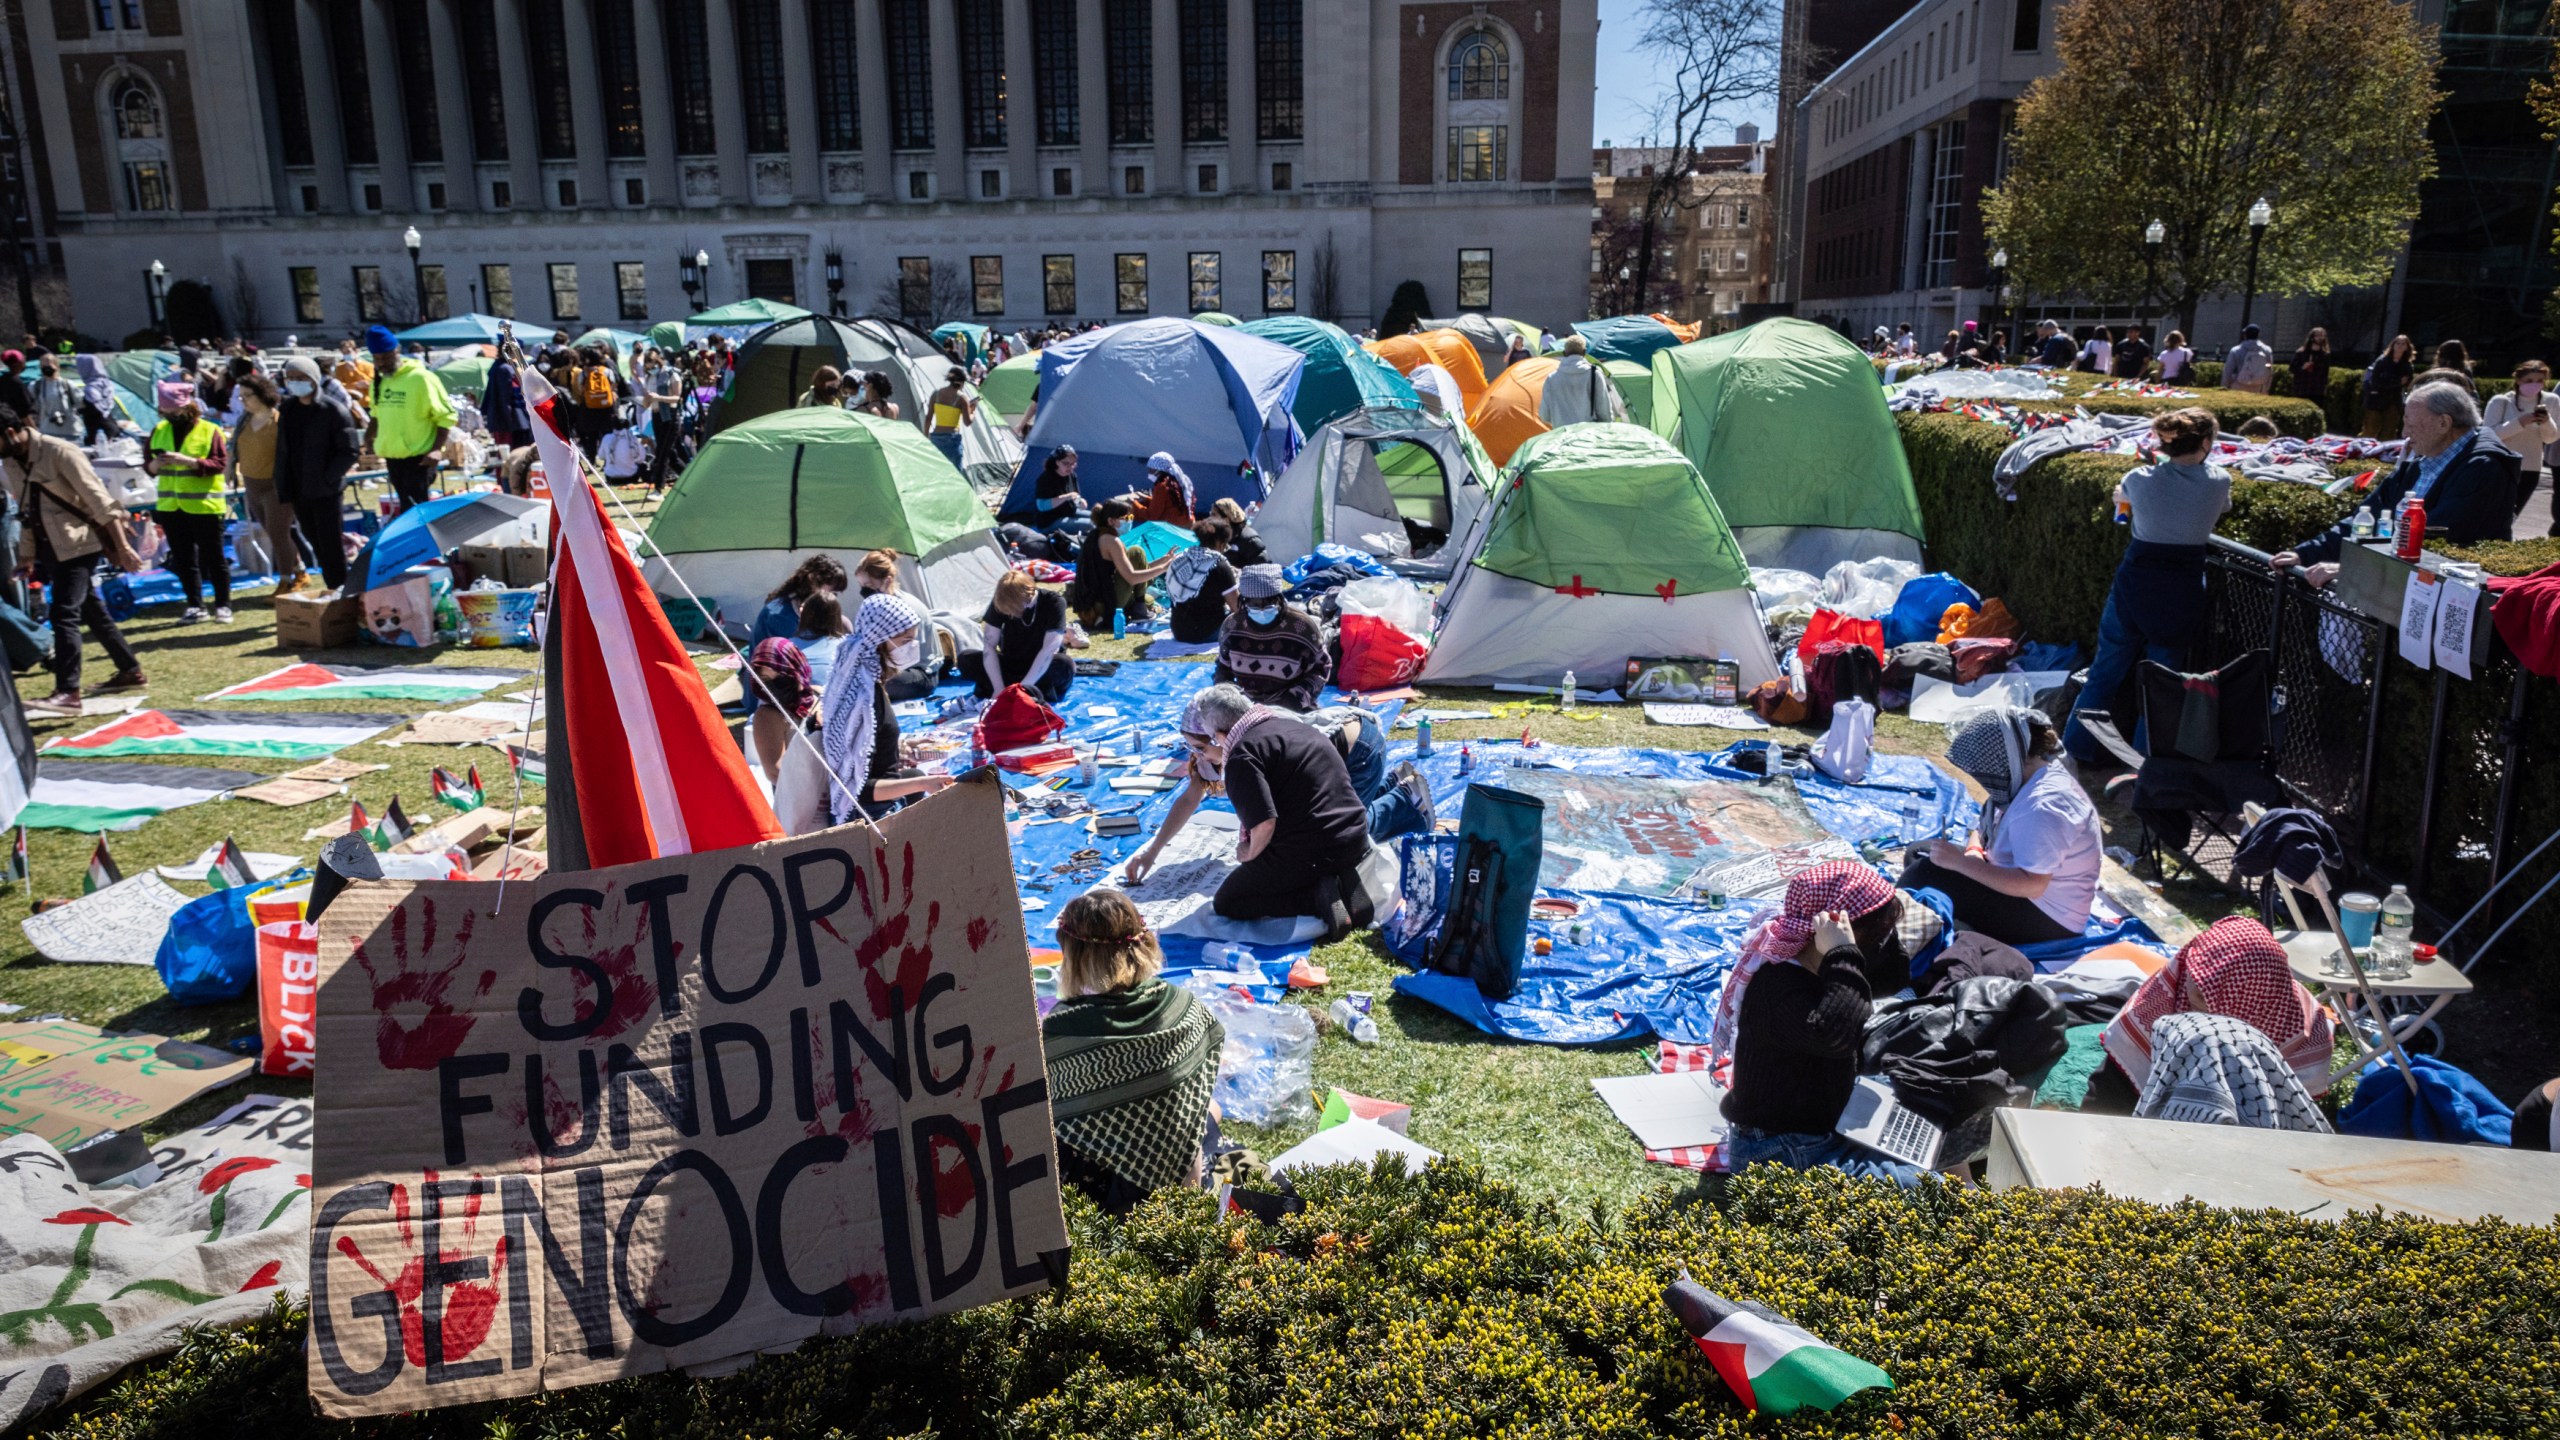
x,y
391,829
102,869
18,856
454,791
230,869
1772,1364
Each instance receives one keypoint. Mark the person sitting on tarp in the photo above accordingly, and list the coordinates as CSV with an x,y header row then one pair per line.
x,y
1202,585
1244,543
2037,875
1057,507
1169,495
2459,471
1025,641
1132,1061
2235,968
1790,1023
1272,650
1108,577
2157,601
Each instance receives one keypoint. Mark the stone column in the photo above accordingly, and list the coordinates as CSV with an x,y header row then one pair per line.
x,y
1244,160
586,103
453,108
1167,35
880,181
951,179
524,147
800,95
657,103
737,180
320,96
1021,105
382,75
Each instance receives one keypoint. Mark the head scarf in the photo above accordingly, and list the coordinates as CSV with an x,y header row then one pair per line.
x,y
172,395
851,690
94,385
1850,885
1262,582
1163,463
2240,971
1992,748
792,684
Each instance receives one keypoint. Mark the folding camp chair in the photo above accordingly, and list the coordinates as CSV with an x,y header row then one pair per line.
x,y
2357,999
2208,752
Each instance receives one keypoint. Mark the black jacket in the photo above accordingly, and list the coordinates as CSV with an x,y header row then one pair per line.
x,y
2473,500
315,448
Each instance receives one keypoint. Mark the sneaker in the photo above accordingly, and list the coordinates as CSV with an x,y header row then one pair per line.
x,y
222,614
192,615
122,680
1418,790
60,702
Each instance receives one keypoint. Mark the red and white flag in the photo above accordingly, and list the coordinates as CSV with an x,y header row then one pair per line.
x,y
655,772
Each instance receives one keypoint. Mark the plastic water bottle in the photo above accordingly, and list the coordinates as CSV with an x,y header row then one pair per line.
x,y
1564,701
1354,1022
1119,625
2392,936
1422,735
1915,822
1223,955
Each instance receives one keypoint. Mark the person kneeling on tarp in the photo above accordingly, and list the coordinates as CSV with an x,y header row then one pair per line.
x,y
1303,831
2037,874
2238,971
1132,1060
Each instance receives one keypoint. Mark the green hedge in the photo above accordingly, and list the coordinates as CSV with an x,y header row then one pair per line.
x,y
2052,553
1448,1306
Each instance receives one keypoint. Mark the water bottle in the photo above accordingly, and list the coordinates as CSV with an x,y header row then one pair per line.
x,y
2392,936
2382,526
2363,529
1354,1022
1564,701
1422,735
1224,955
1119,625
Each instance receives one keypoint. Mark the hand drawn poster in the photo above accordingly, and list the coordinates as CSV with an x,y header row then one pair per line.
x,y
1681,838
676,1112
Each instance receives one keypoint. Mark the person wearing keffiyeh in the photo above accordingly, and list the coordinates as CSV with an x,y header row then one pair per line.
x,y
860,739
2234,968
2037,875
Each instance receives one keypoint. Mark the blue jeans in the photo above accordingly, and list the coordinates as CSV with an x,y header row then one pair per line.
x,y
2122,645
1745,1147
1391,811
948,442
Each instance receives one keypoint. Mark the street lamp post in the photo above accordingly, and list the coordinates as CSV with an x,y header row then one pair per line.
x,y
702,267
2261,215
692,281
835,282
2000,288
1625,276
2153,236
417,273
155,287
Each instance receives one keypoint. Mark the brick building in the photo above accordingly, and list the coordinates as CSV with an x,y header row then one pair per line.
x,y
1714,246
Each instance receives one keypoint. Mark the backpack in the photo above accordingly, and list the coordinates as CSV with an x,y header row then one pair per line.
x,y
1017,718
1484,924
595,388
1841,670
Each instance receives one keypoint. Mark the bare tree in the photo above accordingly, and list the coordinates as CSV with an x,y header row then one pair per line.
x,y
1623,241
944,296
1324,280
248,302
1723,54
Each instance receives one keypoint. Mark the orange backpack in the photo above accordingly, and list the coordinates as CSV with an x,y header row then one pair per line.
x,y
595,388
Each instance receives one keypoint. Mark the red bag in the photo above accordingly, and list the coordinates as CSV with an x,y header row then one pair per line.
x,y
1019,717
1376,655
288,996
1832,625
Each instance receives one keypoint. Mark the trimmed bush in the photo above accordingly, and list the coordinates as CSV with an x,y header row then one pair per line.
x,y
1448,1306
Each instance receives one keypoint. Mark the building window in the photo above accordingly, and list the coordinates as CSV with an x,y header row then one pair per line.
x,y
1279,56
1208,179
990,184
1282,175
115,13
369,306
146,186
547,43
1133,180
1476,152
631,289
635,191
982,78
284,58
420,107
501,195
433,302
689,67
1129,284
567,189
476,23
305,280
1129,58
1053,71
919,185
1279,282
371,195
2028,32
832,34
618,68
435,195
1480,68
310,199
1742,216
564,289
1475,279
355,82
905,29
915,285
1062,181
498,290
1205,290
760,75
1204,70
986,284
1058,284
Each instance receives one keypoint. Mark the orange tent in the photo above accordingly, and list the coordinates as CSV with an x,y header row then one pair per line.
x,y
1448,349
1507,415
1685,331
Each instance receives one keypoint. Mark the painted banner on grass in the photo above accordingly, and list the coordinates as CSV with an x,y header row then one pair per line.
x,y
273,735
361,682
94,795
674,1112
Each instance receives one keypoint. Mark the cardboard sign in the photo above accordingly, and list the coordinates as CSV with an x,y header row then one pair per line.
x,y
672,1113
65,1082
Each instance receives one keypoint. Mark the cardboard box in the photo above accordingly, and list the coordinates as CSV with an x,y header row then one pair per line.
x,y
312,622
517,567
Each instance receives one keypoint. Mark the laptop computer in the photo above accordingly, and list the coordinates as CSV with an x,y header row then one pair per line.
x,y
1877,1119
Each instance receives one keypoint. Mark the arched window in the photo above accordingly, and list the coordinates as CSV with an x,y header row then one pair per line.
x,y
137,111
133,112
1480,68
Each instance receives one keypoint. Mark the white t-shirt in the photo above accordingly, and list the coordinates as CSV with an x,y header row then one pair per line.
x,y
2051,829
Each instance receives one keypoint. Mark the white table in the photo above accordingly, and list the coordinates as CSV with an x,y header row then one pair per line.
x,y
2436,981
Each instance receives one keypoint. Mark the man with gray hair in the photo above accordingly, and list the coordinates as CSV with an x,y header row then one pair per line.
x,y
2459,471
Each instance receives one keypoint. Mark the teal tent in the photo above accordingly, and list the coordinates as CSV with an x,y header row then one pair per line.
x,y
973,339
1629,337
466,329
1339,376
748,314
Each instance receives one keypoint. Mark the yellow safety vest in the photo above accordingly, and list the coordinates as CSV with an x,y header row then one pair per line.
x,y
192,494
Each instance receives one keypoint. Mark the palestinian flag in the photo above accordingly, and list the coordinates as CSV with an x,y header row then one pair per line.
x,y
528,763
459,793
356,682
276,735
95,796
1773,1365
230,869
102,869
390,830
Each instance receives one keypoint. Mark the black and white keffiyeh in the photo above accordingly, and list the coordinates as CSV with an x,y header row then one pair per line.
x,y
847,705
2217,1070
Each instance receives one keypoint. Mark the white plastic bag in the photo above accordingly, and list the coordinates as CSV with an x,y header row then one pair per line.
x,y
1787,598
1391,598
1266,1069
1844,750
1865,589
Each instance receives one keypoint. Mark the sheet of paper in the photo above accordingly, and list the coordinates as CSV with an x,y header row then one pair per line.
x,y
333,770
287,791
1729,717
1102,712
120,925
452,729
2456,613
2418,617
1353,1142
1668,1111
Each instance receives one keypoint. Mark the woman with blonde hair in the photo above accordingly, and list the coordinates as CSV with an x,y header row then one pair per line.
x,y
1133,1061
1025,640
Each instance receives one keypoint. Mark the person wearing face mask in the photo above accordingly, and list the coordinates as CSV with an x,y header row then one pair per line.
x,y
315,448
185,454
856,763
1108,577
68,520
2037,873
1025,640
1272,649
2523,422
57,401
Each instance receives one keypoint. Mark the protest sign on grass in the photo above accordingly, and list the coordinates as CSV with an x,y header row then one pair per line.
x,y
672,1113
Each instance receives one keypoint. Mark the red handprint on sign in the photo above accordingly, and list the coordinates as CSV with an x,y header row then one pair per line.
x,y
889,930
420,1026
633,995
470,1307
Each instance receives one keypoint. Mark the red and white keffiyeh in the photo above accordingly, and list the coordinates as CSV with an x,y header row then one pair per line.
x,y
1850,885
2236,969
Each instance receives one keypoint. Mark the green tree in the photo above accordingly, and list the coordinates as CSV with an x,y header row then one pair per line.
x,y
2187,112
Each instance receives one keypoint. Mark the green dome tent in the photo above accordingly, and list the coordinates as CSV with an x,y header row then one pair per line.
x,y
1601,545
767,494
747,313
1635,387
1339,377
775,364
1216,317
1009,387
1786,422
